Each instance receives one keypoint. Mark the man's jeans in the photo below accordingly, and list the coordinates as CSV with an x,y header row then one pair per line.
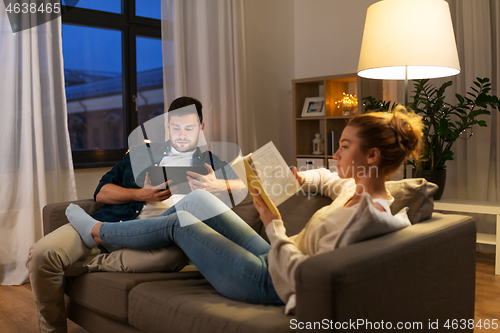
x,y
225,249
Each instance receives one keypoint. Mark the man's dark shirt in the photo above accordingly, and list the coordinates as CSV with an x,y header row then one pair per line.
x,y
123,175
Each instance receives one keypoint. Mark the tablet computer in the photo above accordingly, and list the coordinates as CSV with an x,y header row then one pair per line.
x,y
161,174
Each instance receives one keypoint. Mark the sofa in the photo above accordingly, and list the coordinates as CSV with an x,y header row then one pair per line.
x,y
411,278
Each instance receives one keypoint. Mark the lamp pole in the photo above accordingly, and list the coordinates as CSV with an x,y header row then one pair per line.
x,y
406,85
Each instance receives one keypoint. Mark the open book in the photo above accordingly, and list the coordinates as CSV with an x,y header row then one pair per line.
x,y
267,172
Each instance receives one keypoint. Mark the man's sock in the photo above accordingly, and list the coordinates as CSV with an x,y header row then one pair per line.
x,y
83,223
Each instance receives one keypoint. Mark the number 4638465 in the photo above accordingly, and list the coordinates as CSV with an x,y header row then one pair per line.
x,y
464,323
32,8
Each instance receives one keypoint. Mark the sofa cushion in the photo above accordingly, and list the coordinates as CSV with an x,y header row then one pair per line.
x,y
295,212
298,210
108,293
195,306
416,194
54,215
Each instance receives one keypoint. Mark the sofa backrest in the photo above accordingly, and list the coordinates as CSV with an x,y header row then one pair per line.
x,y
416,194
413,193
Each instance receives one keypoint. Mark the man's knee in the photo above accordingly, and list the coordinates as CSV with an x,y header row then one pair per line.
x,y
57,250
48,257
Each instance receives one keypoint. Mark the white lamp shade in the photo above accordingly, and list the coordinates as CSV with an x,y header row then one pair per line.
x,y
414,33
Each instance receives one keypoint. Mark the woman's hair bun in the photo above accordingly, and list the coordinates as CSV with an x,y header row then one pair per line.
x,y
397,134
408,127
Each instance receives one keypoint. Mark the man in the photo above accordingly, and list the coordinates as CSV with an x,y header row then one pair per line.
x,y
62,252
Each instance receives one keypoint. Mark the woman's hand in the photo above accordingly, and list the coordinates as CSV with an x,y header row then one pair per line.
x,y
299,176
265,214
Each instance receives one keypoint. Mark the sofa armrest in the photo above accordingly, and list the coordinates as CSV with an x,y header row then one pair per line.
x,y
420,273
54,214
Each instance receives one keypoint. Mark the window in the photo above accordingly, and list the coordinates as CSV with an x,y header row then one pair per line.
x,y
113,71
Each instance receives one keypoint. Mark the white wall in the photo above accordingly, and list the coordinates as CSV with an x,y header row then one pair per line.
x,y
87,180
269,33
328,36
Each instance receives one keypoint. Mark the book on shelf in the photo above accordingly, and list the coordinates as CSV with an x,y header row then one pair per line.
x,y
330,143
333,141
266,171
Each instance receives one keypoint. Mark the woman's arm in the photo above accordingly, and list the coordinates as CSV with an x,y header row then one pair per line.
x,y
285,255
325,182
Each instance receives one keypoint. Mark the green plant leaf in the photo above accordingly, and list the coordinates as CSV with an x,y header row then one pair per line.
x,y
444,121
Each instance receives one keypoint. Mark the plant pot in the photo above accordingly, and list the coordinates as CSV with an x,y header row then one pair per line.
x,y
437,177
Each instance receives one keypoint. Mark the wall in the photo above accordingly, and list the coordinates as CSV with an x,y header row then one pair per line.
x,y
87,180
328,36
269,36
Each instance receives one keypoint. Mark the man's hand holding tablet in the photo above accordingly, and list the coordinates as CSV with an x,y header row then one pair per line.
x,y
159,192
176,175
207,182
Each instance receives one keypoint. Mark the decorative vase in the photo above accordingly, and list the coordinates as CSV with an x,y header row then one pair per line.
x,y
437,177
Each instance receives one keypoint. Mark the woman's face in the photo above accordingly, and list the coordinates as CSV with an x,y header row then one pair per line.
x,y
351,161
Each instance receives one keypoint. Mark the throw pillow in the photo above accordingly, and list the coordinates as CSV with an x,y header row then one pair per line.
x,y
369,222
416,194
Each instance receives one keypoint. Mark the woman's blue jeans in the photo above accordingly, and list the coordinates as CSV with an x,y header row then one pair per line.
x,y
225,249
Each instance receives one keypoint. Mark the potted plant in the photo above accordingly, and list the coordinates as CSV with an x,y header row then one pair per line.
x,y
444,122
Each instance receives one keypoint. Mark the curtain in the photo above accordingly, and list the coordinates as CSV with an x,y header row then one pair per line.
x,y
35,165
475,172
204,57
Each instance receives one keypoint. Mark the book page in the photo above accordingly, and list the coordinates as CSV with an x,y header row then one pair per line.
x,y
275,175
239,168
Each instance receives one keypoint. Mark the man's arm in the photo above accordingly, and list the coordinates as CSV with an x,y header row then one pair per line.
x,y
118,186
112,194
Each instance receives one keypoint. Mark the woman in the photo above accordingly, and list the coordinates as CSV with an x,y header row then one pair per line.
x,y
234,258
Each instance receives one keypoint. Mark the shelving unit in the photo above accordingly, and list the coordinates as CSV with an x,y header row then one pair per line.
x,y
332,89
478,207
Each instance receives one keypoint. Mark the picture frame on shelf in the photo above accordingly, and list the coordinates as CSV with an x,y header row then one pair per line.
x,y
314,107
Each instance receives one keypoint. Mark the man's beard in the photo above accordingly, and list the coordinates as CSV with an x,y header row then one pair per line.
x,y
188,146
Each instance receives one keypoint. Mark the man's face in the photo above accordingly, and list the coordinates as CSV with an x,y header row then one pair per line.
x,y
184,132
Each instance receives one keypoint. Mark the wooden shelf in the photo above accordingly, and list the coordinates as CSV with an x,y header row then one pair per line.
x,y
340,117
311,156
332,89
490,239
311,118
478,207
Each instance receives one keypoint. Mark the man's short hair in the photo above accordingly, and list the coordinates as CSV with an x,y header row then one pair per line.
x,y
185,101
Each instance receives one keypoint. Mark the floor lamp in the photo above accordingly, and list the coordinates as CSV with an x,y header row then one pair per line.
x,y
407,40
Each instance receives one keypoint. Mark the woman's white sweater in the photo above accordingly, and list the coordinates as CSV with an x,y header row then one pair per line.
x,y
330,227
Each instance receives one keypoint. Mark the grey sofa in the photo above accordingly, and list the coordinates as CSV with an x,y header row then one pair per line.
x,y
422,273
